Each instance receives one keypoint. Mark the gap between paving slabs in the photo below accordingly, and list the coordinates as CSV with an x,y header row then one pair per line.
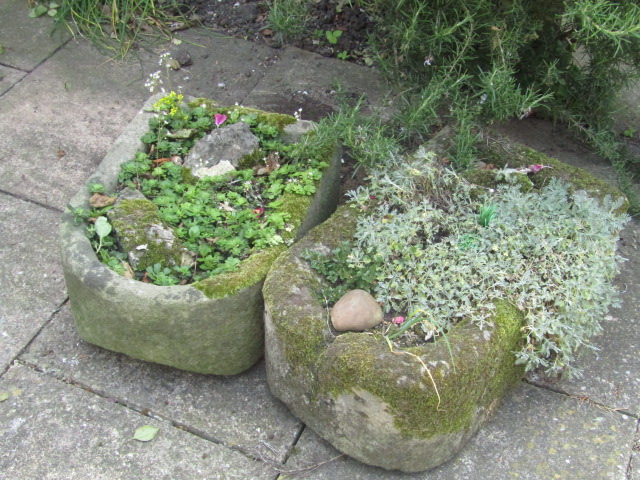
x,y
236,411
93,438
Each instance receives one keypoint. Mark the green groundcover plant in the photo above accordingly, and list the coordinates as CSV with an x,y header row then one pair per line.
x,y
435,250
220,220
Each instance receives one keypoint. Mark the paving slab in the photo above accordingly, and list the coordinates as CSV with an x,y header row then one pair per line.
x,y
299,79
627,115
31,281
536,434
53,430
59,121
222,68
9,77
238,410
27,41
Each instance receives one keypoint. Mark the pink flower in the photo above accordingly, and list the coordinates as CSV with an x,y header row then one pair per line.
x,y
535,168
220,119
398,320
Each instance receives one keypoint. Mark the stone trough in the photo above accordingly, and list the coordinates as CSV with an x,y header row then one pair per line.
x,y
408,410
213,326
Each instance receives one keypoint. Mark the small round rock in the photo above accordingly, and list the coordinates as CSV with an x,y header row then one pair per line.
x,y
357,310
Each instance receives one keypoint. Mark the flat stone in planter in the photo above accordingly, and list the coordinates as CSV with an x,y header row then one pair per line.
x,y
213,326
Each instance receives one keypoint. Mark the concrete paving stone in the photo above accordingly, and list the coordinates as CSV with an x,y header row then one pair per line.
x,y
31,281
236,410
27,41
53,430
536,434
60,120
301,79
627,115
222,68
9,77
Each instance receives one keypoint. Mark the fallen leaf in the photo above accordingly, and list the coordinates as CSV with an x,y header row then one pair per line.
x,y
267,32
61,153
4,396
38,11
146,433
173,64
98,200
128,271
1,49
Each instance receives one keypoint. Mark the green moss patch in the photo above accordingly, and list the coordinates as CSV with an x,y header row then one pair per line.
x,y
519,156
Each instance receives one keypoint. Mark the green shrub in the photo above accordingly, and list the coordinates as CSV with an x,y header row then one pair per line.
x,y
495,59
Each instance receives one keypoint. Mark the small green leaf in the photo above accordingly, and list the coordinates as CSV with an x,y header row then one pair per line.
x,y
146,433
53,5
103,228
38,11
1,49
4,396
52,12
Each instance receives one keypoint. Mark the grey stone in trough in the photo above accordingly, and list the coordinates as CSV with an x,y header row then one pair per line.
x,y
143,235
229,144
214,326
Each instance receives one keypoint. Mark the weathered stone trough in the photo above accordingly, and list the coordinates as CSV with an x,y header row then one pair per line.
x,y
214,326
380,407
401,410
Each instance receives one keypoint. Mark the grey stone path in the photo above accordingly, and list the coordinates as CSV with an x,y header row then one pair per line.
x,y
69,410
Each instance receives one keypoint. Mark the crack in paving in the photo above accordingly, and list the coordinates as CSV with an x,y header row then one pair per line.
x,y
16,358
584,399
144,411
635,450
29,72
17,196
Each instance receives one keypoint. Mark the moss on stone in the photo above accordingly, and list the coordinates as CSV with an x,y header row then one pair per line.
x,y
251,160
188,177
131,219
252,270
479,371
484,370
279,120
520,156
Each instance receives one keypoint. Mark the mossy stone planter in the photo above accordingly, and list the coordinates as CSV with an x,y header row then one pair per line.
x,y
401,410
380,407
214,326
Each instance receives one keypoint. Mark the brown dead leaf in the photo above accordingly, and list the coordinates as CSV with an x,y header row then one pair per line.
x,y
128,271
267,32
272,163
99,200
61,153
